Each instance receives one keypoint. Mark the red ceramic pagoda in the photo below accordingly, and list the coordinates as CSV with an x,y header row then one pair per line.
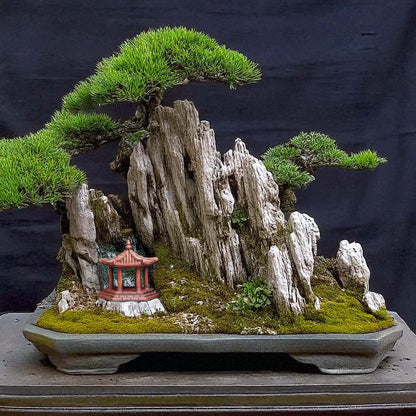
x,y
128,259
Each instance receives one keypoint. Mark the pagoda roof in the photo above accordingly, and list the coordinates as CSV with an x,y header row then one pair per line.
x,y
128,258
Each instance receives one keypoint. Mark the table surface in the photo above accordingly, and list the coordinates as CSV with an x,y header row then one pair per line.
x,y
201,383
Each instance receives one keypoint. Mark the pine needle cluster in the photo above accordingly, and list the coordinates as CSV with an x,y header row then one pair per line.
x,y
157,60
36,169
293,163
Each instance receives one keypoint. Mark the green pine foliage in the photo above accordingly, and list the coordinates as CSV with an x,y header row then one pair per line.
x,y
34,170
81,131
293,163
156,60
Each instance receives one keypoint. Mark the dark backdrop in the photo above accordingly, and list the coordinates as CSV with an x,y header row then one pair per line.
x,y
346,68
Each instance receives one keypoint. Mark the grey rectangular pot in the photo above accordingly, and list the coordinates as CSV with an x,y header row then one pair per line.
x,y
104,353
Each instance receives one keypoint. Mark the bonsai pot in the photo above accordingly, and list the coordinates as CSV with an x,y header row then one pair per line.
x,y
104,353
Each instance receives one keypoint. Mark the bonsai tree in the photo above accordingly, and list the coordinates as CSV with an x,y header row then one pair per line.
x,y
36,169
294,163
220,215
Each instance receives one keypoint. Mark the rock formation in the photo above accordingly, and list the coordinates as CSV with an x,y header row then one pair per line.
x,y
184,194
221,213
355,274
352,267
78,254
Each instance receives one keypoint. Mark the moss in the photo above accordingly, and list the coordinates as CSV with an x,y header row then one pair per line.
x,y
287,199
98,320
324,271
197,305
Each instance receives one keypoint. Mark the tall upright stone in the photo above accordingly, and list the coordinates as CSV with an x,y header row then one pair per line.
x,y
184,194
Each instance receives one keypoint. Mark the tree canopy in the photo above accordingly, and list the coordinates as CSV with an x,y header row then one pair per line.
x,y
156,60
293,163
36,169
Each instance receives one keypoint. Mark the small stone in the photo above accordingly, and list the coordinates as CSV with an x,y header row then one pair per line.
x,y
48,301
352,267
374,301
66,302
132,309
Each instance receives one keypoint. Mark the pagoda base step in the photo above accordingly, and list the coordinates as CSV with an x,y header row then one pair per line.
x,y
133,308
128,295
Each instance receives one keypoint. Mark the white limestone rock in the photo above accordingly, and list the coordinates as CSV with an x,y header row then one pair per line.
x,y
106,218
91,218
352,267
133,309
67,301
302,242
183,193
374,301
142,189
280,278
256,189
79,245
81,218
180,190
89,276
180,193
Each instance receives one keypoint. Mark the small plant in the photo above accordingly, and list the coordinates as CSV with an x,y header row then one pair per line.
x,y
252,295
137,136
238,217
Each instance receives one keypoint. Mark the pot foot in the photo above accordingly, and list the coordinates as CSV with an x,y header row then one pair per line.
x,y
341,363
89,364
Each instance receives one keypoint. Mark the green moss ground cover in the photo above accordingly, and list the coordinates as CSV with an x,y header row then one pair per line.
x,y
202,306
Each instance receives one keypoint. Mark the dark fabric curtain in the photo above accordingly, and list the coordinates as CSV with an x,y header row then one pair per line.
x,y
344,67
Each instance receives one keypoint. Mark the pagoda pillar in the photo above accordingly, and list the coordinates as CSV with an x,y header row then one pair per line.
x,y
146,277
138,279
110,278
119,280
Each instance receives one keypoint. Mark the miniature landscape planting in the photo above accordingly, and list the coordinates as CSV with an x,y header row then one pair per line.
x,y
206,306
201,242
